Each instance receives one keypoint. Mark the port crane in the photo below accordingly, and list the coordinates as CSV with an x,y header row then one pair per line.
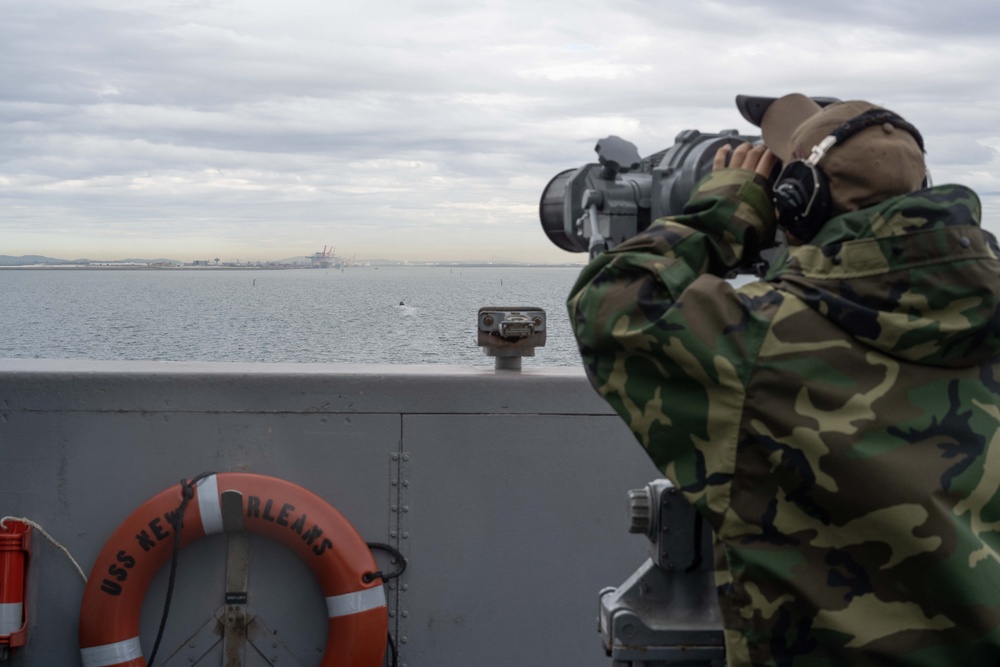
x,y
324,259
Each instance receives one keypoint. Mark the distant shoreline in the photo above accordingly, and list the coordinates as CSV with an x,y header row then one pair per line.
x,y
123,267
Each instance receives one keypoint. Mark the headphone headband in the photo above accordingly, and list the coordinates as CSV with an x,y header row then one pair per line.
x,y
860,122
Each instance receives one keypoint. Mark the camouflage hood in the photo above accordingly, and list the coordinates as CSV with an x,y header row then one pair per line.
x,y
913,277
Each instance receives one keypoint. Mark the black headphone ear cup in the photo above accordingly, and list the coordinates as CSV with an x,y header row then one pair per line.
x,y
792,192
802,199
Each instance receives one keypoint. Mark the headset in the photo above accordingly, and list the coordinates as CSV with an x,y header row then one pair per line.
x,y
802,190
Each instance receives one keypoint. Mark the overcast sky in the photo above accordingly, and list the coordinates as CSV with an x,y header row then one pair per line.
x,y
256,129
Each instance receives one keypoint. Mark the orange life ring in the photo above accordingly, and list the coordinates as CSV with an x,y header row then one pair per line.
x,y
274,508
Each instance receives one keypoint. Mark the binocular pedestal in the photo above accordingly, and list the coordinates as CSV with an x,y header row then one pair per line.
x,y
667,612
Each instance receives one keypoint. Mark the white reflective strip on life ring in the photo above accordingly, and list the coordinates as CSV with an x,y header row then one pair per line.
x,y
208,505
111,654
355,603
10,617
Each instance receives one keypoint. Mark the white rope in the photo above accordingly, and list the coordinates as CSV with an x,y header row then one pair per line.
x,y
48,537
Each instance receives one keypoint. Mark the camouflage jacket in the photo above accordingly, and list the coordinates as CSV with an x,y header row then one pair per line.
x,y
838,423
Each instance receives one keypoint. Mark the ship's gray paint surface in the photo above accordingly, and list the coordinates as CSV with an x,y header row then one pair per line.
x,y
505,490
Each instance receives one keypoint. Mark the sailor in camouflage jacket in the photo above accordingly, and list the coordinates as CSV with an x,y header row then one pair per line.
x,y
837,423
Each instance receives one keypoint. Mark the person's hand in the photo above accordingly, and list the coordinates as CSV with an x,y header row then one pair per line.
x,y
758,159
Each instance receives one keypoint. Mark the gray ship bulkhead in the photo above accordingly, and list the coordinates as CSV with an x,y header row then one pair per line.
x,y
505,490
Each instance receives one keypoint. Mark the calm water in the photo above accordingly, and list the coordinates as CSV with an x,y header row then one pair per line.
x,y
350,316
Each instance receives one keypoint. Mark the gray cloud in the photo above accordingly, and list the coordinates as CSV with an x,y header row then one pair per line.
x,y
411,128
